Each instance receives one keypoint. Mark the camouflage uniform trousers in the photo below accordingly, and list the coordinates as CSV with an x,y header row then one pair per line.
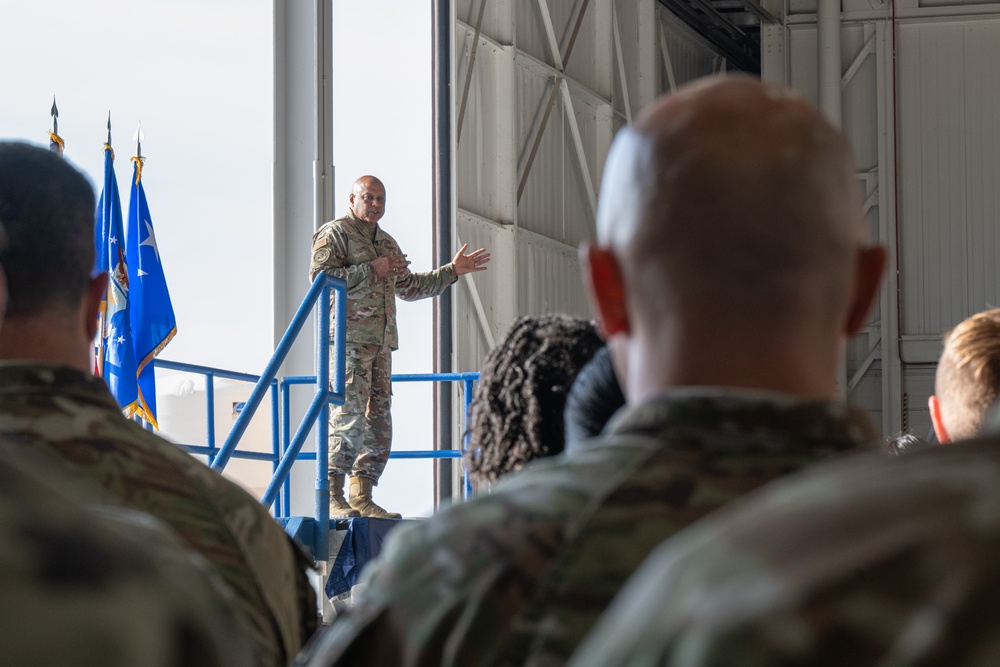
x,y
361,428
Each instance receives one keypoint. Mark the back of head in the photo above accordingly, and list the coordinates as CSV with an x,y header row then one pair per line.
x,y
517,410
967,382
734,201
47,208
593,399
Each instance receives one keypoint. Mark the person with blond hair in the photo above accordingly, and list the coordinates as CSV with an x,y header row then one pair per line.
x,y
967,381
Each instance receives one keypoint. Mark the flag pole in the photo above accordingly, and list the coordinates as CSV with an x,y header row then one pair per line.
x,y
116,331
142,416
138,158
102,314
150,309
56,143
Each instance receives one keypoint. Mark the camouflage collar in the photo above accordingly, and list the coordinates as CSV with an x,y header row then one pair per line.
x,y
23,378
362,226
726,419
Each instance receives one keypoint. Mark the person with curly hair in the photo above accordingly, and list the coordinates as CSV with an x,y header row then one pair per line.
x,y
517,409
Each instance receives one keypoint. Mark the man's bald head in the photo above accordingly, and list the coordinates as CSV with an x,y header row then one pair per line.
x,y
733,189
735,202
365,182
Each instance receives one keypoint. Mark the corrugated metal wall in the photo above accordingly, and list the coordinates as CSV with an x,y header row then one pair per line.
x,y
931,146
534,125
949,95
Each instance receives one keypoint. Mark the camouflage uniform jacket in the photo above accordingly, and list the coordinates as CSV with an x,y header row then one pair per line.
x,y
102,587
519,576
72,415
867,561
345,248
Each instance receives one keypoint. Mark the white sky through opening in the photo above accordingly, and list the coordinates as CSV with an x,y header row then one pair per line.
x,y
199,77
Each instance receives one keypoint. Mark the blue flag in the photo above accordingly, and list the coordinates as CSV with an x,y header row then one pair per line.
x,y
115,354
152,315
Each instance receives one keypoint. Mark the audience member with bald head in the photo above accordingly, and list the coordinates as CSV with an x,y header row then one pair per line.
x,y
729,268
730,243
967,381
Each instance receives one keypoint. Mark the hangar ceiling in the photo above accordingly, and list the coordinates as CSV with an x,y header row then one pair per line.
x,y
731,26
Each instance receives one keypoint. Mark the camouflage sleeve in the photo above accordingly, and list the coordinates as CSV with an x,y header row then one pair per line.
x,y
415,286
329,255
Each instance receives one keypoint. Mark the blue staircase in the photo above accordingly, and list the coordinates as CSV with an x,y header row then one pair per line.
x,y
312,532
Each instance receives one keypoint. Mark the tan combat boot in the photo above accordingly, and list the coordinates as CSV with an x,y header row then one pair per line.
x,y
360,499
339,507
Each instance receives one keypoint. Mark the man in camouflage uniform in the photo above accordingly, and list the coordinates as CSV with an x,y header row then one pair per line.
x,y
356,249
98,586
730,267
49,401
103,586
868,561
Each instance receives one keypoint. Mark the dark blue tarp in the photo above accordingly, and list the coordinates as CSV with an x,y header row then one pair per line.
x,y
362,543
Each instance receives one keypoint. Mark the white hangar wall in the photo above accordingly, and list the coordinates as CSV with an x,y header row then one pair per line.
x,y
541,87
923,130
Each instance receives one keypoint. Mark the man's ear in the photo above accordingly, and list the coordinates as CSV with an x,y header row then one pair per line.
x,y
95,294
939,430
867,279
603,279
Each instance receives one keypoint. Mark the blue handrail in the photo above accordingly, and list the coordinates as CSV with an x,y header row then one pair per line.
x,y
283,502
320,287
210,374
287,450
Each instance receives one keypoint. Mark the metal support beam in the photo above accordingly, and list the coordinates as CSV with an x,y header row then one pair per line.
x,y
828,44
470,69
892,379
581,154
537,137
667,65
871,201
858,61
863,368
830,75
303,164
578,88
550,34
443,19
537,132
477,305
620,60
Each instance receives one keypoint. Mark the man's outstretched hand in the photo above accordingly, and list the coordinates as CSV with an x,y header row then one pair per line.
x,y
474,261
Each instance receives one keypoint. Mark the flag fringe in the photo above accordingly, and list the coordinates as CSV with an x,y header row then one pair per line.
x,y
159,348
58,141
143,412
139,161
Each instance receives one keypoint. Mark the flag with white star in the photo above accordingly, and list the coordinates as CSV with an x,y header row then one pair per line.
x,y
115,360
152,314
